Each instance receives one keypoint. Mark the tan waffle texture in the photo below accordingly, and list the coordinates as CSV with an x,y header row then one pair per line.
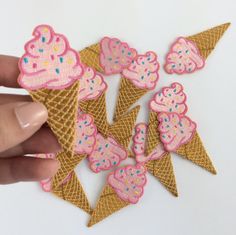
x,y
128,95
97,108
122,129
73,192
90,56
108,203
152,135
62,106
207,40
195,152
163,170
67,166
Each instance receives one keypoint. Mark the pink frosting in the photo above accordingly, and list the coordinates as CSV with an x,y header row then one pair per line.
x,y
86,134
128,182
143,71
175,130
48,62
170,99
115,55
91,85
107,154
139,142
183,57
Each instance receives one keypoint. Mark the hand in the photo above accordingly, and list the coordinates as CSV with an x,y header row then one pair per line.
x,y
22,132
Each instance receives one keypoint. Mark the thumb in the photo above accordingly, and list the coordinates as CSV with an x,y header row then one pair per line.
x,y
19,121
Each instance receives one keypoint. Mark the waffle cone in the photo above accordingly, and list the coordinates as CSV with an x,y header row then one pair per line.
x,y
67,166
62,106
128,95
152,135
73,192
122,129
195,152
207,40
97,108
163,170
90,56
107,204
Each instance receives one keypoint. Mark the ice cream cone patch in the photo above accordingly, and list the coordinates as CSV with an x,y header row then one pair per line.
x,y
72,85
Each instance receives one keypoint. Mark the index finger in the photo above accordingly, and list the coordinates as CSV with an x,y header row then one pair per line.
x,y
9,71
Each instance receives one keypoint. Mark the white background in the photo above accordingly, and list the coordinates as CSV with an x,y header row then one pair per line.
x,y
206,204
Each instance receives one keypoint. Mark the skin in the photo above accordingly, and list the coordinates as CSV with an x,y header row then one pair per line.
x,y
16,142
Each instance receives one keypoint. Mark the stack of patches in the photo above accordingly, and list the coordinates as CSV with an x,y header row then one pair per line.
x,y
72,87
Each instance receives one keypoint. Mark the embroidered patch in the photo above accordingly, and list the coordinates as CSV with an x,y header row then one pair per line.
x,y
175,130
48,62
86,134
115,55
91,85
169,99
143,71
183,57
107,154
139,145
128,182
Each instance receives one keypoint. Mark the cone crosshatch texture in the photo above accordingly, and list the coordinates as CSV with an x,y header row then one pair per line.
x,y
107,204
72,191
207,40
128,95
90,56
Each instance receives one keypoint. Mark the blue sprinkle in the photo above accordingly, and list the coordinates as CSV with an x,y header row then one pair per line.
x,y
170,110
86,137
85,122
142,77
137,172
26,60
127,189
179,52
123,51
57,70
98,164
174,90
43,39
100,148
180,124
91,88
142,138
187,51
173,66
106,145
80,126
121,170
80,142
40,50
163,137
129,53
92,81
103,160
110,59
165,119
148,58
182,131
117,42
114,163
143,62
176,105
61,59
116,62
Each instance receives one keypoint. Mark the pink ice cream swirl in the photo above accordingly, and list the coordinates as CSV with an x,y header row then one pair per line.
x,y
91,85
143,71
107,154
115,55
47,183
48,62
85,135
170,99
139,142
183,57
175,130
128,182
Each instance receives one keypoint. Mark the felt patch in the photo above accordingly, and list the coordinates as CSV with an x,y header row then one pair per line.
x,y
170,99
115,55
143,71
47,183
86,134
183,57
128,182
139,145
92,85
48,62
106,155
188,54
175,130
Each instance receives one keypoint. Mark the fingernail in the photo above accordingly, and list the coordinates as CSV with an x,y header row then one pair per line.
x,y
31,114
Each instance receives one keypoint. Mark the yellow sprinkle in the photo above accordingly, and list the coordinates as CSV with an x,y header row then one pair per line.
x,y
45,29
55,48
69,61
45,63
